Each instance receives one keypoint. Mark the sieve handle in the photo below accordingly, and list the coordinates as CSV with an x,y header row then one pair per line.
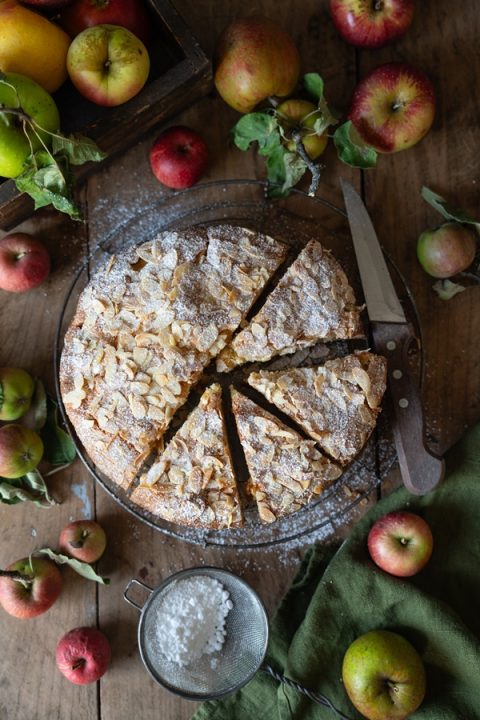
x,y
314,696
134,581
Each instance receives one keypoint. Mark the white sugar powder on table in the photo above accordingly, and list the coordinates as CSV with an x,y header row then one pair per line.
x,y
191,618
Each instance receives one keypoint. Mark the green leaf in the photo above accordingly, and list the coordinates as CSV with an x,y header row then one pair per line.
x,y
351,153
49,181
450,212
285,169
446,289
59,448
314,85
19,490
39,405
83,569
35,481
254,127
77,148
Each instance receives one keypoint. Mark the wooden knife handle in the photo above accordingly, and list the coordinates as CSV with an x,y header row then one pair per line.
x,y
421,471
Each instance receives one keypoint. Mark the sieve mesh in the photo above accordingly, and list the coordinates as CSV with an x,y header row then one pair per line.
x,y
239,659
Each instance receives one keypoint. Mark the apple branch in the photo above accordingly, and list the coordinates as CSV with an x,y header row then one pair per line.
x,y
15,575
315,168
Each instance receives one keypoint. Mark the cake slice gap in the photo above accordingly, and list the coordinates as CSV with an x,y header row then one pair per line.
x,y
192,482
312,302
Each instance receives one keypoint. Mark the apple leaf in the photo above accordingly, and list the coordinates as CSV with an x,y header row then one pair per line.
x,y
83,569
446,289
314,85
284,171
59,448
77,148
39,405
450,212
349,152
256,127
49,182
28,488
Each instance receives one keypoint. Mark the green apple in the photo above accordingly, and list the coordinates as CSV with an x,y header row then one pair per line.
x,y
302,115
21,450
446,251
16,390
19,93
255,58
384,676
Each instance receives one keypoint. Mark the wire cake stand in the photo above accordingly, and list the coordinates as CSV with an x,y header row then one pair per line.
x,y
294,220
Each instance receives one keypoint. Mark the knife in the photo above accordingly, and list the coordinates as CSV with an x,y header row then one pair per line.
x,y
392,335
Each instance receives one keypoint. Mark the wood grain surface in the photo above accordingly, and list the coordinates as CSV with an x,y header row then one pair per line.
x,y
443,41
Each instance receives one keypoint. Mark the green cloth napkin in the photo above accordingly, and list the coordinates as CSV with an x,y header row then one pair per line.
x,y
334,600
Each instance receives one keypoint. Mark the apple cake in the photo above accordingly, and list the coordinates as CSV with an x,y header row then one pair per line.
x,y
286,471
192,482
313,301
337,404
146,326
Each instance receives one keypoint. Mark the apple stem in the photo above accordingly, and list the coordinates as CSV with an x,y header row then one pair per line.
x,y
78,664
378,5
315,168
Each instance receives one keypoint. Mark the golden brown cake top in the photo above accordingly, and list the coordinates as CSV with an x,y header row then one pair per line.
x,y
336,403
313,301
192,482
286,470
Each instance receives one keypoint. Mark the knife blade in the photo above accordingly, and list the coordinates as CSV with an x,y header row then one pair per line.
x,y
392,336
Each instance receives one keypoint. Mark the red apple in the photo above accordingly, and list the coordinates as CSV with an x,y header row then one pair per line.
x,y
84,540
24,262
21,450
34,595
255,58
179,157
371,23
83,655
301,114
130,14
16,390
108,64
400,543
446,251
393,107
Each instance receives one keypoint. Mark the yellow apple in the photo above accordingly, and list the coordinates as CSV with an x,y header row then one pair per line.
x,y
302,114
32,45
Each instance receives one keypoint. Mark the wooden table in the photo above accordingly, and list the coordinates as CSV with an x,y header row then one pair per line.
x,y
444,42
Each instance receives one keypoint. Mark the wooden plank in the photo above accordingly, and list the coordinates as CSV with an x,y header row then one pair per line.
x,y
444,161
32,687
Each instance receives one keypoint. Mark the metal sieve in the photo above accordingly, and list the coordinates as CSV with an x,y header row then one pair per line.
x,y
239,659
242,653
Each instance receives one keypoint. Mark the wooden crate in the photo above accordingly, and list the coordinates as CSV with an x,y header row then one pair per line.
x,y
180,73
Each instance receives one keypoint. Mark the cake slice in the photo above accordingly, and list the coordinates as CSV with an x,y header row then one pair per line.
x,y
336,404
313,301
192,482
286,471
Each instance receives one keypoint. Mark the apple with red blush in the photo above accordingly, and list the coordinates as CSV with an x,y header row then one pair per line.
x,y
24,262
21,449
371,23
393,107
29,587
83,655
83,540
130,14
179,157
108,64
401,543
